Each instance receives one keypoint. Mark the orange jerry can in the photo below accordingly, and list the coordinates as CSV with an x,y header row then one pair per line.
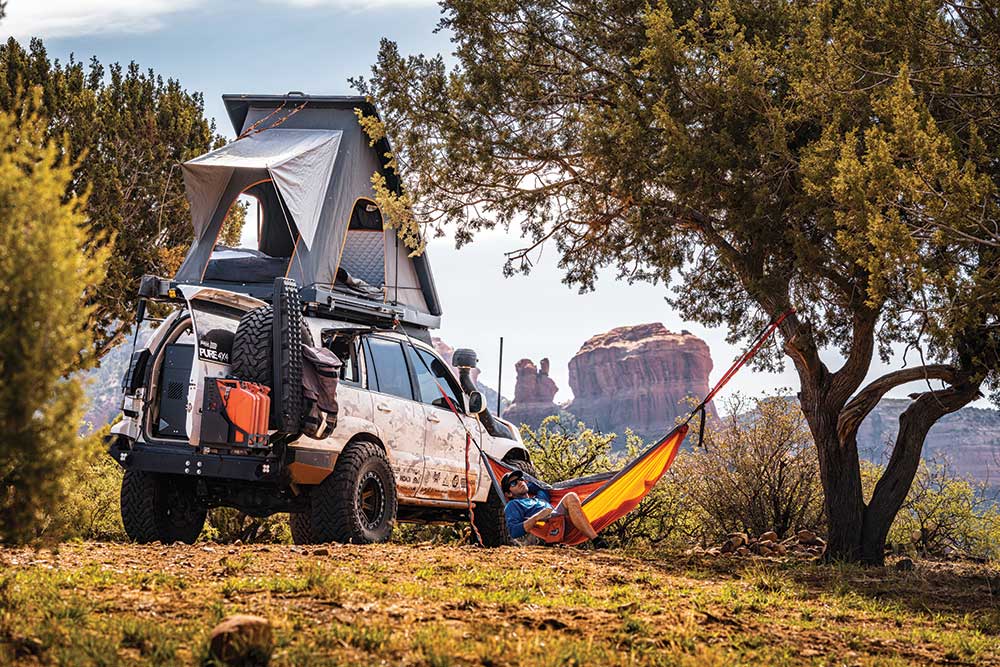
x,y
235,412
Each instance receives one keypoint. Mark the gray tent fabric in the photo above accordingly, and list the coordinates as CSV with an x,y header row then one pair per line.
x,y
319,184
298,161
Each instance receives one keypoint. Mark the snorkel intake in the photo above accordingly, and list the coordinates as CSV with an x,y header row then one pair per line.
x,y
465,360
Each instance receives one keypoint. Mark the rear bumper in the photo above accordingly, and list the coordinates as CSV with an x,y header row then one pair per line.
x,y
181,460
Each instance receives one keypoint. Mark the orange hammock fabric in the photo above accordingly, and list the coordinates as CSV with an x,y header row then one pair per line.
x,y
606,497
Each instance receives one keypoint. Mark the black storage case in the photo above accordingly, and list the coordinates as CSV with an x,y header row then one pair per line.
x,y
175,376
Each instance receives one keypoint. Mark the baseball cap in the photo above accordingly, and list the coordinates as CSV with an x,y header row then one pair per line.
x,y
509,479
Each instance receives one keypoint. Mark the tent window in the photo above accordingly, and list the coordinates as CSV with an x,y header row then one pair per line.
x,y
364,246
270,228
276,229
366,216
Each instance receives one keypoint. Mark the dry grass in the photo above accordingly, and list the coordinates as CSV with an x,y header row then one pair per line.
x,y
104,604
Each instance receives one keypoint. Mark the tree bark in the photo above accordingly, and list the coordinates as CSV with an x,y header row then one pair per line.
x,y
892,488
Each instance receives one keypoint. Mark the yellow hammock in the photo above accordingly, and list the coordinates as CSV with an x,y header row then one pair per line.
x,y
608,497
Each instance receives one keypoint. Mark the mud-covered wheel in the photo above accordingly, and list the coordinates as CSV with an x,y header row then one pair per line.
x,y
356,503
256,355
300,524
489,517
160,508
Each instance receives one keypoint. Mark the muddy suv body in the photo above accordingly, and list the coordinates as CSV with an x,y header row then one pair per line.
x,y
391,409
327,272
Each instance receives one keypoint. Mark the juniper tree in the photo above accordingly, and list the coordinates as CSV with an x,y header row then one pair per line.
x,y
127,130
839,157
47,274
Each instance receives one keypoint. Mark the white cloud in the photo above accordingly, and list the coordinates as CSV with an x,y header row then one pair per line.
x,y
65,18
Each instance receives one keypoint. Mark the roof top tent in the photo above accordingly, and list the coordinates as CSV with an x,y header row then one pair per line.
x,y
309,164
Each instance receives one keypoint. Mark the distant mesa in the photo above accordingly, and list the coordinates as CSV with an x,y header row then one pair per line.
x,y
638,377
533,394
634,377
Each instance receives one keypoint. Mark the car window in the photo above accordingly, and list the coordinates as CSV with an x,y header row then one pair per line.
x,y
428,381
346,349
392,375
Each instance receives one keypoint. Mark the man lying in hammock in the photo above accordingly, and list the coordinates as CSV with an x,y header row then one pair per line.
x,y
528,505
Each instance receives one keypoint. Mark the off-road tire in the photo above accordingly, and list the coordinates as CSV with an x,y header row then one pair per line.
x,y
489,516
160,508
287,339
253,359
300,524
356,503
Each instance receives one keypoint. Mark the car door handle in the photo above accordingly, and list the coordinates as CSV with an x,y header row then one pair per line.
x,y
433,418
382,407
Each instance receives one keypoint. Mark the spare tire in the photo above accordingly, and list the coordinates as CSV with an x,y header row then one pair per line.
x,y
253,358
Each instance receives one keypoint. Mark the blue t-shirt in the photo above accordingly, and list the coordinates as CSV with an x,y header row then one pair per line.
x,y
519,509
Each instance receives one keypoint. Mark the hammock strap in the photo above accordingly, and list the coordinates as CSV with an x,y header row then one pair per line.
x,y
701,428
758,342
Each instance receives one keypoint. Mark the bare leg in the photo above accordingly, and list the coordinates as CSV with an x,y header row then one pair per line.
x,y
571,505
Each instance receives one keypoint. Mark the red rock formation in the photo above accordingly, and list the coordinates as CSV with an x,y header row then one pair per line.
x,y
533,394
638,377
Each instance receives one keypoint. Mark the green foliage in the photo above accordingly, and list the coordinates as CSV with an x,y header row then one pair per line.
x,y
801,146
227,525
944,514
91,508
126,131
758,470
561,451
49,269
836,156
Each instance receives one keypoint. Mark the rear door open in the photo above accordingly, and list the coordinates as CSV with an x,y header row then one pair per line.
x,y
215,315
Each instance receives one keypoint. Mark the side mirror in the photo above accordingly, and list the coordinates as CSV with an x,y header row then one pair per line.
x,y
476,403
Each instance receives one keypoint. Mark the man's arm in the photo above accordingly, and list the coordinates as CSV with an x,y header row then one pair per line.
x,y
535,518
514,517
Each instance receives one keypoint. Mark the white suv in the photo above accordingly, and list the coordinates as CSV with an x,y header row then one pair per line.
x,y
398,451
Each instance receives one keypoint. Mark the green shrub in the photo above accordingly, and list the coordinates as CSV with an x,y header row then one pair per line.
x,y
48,272
227,525
92,507
943,514
758,471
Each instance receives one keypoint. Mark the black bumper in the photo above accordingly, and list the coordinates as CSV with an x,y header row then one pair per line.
x,y
182,460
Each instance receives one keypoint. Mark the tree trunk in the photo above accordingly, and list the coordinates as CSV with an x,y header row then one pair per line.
x,y
840,474
892,488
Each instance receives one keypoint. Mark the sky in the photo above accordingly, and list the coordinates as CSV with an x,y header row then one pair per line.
x,y
313,46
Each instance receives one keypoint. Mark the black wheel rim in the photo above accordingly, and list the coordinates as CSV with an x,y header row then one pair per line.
x,y
371,501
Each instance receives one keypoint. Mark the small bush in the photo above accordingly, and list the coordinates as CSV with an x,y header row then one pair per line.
x,y
943,514
92,508
227,525
759,470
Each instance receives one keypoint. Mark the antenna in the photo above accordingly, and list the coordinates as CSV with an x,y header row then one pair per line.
x,y
500,381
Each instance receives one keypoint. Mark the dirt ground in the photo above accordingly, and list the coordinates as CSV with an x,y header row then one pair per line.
x,y
108,604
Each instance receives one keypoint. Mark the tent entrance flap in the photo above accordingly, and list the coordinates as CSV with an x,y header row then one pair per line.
x,y
299,162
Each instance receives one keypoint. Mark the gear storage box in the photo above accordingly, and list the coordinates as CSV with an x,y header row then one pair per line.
x,y
178,359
